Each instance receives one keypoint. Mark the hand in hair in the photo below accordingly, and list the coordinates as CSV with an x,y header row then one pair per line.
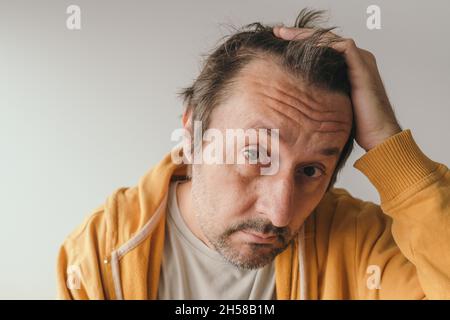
x,y
374,117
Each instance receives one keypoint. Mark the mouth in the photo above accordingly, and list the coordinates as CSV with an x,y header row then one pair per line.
x,y
255,237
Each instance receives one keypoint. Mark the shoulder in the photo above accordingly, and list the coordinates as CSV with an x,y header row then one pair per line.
x,y
106,226
342,203
344,215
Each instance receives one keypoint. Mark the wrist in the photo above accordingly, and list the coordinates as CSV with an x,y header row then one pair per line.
x,y
381,136
396,165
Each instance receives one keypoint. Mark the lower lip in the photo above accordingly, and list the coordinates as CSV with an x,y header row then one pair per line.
x,y
250,237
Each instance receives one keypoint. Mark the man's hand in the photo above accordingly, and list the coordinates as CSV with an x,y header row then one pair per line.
x,y
374,117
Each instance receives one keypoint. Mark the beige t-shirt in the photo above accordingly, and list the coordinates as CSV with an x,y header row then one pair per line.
x,y
192,270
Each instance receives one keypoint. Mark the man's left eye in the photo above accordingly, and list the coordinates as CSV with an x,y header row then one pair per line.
x,y
312,171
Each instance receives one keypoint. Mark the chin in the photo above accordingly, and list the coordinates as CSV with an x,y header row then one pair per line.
x,y
251,255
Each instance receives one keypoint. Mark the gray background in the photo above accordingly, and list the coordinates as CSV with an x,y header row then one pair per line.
x,y
85,112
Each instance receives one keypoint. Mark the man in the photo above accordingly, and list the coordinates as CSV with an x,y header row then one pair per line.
x,y
226,231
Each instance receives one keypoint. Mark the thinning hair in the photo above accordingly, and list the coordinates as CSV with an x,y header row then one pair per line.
x,y
309,59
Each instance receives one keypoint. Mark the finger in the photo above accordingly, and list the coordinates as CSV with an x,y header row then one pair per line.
x,y
276,31
292,33
350,51
344,46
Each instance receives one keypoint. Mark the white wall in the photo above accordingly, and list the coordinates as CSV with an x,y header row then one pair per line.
x,y
85,112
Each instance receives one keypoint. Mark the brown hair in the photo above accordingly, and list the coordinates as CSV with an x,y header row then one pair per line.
x,y
318,65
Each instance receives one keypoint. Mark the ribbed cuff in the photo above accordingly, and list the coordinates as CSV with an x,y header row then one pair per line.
x,y
395,165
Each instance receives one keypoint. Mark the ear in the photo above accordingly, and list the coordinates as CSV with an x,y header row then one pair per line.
x,y
188,139
187,118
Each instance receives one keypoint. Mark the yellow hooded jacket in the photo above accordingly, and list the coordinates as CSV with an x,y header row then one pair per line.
x,y
347,249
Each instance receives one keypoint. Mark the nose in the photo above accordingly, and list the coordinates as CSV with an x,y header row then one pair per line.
x,y
276,200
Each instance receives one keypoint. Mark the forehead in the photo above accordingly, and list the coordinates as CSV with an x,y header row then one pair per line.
x,y
266,95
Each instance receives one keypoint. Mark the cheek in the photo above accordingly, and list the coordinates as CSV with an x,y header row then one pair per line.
x,y
306,203
224,195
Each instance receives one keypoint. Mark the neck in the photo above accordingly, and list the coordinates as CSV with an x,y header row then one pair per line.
x,y
187,211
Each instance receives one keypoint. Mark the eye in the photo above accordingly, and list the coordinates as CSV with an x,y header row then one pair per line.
x,y
312,172
251,154
256,154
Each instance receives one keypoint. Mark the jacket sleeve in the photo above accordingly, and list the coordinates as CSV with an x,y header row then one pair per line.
x,y
405,252
80,264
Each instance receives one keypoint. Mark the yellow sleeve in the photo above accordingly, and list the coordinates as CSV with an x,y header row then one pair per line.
x,y
411,243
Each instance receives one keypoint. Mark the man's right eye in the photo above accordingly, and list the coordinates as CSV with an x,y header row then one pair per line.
x,y
251,155
256,155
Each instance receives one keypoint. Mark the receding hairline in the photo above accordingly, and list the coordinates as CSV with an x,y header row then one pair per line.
x,y
295,80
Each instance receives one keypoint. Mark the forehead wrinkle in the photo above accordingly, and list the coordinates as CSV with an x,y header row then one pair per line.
x,y
305,99
289,133
256,80
290,115
269,73
289,119
299,93
319,142
272,117
270,90
305,114
332,131
310,97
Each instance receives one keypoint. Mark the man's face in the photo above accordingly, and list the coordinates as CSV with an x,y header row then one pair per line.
x,y
250,218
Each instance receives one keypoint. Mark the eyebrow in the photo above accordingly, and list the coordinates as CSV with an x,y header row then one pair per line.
x,y
332,151
327,151
265,126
